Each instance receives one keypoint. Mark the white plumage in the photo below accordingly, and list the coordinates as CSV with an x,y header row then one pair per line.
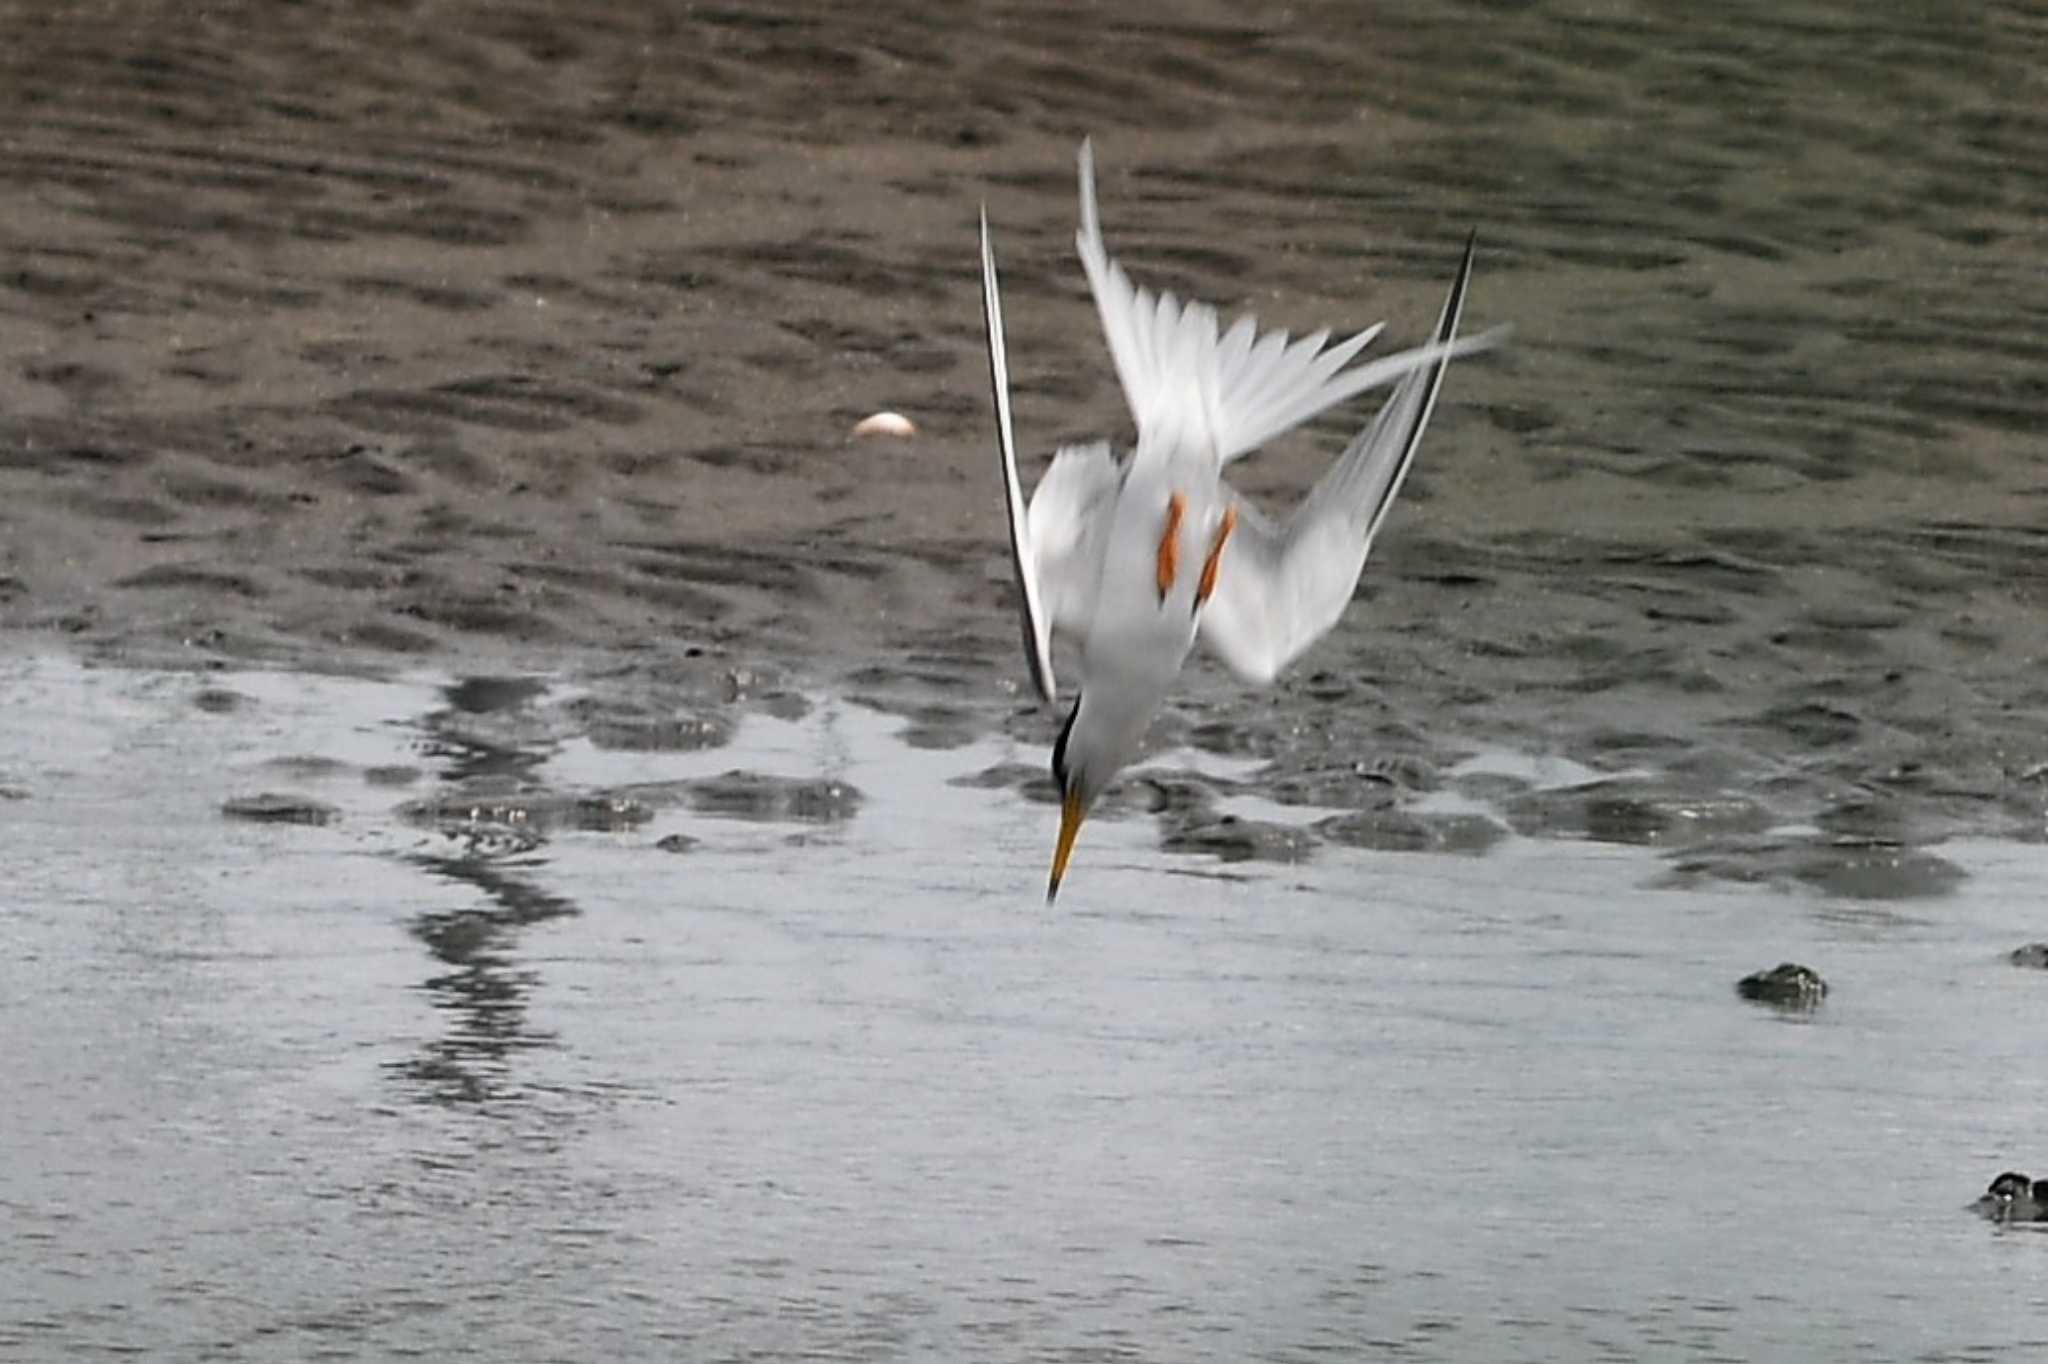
x,y
1104,552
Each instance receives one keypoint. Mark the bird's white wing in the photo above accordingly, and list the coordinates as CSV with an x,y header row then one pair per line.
x,y
1055,550
1279,589
1071,511
1031,612
1190,386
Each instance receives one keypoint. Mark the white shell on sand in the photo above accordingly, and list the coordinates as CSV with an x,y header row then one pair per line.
x,y
892,424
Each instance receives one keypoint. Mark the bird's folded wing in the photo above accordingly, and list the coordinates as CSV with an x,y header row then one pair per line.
x,y
1071,511
1191,386
1279,589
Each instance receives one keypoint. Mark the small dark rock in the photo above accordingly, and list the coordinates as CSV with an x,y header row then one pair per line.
x,y
2034,954
219,700
675,843
1787,985
272,807
2013,1197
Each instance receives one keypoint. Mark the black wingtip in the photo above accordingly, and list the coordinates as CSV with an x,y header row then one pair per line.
x,y
1454,305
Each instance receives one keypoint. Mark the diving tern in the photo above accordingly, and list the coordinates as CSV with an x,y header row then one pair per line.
x,y
1134,560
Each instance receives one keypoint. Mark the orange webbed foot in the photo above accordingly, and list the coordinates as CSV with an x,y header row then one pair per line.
x,y
1215,559
1169,544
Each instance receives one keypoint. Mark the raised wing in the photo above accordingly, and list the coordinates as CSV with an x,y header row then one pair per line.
x,y
1190,387
1037,627
1280,589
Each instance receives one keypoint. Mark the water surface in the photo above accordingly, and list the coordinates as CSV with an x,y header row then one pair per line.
x,y
836,1084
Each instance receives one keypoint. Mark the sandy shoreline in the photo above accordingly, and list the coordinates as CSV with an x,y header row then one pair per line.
x,y
501,338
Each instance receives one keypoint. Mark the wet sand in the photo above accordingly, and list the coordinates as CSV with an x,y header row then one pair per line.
x,y
349,337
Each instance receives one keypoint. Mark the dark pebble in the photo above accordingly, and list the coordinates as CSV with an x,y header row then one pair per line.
x,y
272,807
1787,985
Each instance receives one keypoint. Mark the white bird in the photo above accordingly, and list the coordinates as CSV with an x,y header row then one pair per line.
x,y
1133,560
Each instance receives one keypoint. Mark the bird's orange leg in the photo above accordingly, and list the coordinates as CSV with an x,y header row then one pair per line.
x,y
1169,544
1215,559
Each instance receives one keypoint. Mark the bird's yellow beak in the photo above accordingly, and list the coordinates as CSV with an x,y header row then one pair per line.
x,y
1072,812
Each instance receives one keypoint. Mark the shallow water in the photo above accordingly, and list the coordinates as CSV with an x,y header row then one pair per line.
x,y
477,1069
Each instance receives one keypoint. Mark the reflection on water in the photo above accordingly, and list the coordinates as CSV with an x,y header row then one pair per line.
x,y
484,992
480,1075
477,735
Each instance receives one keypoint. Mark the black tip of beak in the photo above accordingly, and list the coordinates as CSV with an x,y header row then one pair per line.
x,y
1052,890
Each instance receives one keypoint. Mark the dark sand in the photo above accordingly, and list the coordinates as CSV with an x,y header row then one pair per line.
x,y
528,336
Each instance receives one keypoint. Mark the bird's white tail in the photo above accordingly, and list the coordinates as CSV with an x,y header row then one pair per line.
x,y
1189,382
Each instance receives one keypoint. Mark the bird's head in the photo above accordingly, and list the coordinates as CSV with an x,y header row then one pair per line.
x,y
1102,734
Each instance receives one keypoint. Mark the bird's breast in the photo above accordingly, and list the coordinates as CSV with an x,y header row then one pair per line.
x,y
1144,623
